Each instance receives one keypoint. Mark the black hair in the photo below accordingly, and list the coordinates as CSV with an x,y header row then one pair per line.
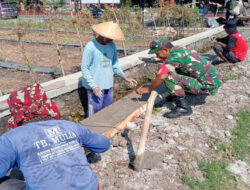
x,y
37,118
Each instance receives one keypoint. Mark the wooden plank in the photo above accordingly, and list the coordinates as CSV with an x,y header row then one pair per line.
x,y
110,120
123,124
119,127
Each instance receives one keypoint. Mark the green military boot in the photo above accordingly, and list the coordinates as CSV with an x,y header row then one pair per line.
x,y
182,108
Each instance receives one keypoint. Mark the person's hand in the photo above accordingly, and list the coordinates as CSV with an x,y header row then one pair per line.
x,y
97,91
221,44
142,91
213,38
131,81
157,59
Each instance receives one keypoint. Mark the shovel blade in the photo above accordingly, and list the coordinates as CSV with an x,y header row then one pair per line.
x,y
147,160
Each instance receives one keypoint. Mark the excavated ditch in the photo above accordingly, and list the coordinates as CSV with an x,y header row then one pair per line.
x,y
73,105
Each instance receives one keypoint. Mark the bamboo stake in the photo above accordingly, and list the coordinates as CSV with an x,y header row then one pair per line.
x,y
76,25
26,59
54,35
124,48
153,17
123,43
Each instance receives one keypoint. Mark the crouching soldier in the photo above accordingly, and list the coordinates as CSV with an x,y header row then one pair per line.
x,y
192,73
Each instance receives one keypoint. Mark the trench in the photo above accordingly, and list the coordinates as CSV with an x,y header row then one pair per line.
x,y
72,105
144,74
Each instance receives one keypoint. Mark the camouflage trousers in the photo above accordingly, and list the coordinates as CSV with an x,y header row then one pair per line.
x,y
177,85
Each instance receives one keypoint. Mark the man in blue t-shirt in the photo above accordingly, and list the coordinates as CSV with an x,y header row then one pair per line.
x,y
50,155
99,64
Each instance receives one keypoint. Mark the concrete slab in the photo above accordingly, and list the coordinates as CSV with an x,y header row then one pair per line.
x,y
113,115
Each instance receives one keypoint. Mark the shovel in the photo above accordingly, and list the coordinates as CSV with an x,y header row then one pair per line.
x,y
146,160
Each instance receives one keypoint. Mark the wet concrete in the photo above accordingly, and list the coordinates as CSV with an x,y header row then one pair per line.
x,y
110,116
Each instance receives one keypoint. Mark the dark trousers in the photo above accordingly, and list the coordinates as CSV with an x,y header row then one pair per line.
x,y
231,57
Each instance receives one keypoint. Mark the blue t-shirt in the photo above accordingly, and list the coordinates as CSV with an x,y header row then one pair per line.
x,y
99,64
50,155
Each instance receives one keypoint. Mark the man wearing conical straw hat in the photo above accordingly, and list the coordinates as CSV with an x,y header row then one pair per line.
x,y
100,63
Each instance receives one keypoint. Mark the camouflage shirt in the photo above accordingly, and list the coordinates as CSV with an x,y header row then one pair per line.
x,y
190,63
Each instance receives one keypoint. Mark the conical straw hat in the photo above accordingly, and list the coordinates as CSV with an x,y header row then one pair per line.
x,y
109,30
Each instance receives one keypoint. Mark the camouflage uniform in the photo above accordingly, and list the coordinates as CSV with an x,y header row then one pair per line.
x,y
193,73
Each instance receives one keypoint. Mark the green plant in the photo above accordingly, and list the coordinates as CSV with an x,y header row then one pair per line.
x,y
241,141
129,19
222,147
122,88
54,24
151,76
20,32
156,109
215,176
76,116
108,14
54,4
225,69
70,118
126,3
73,114
83,20
67,40
54,70
76,119
230,77
182,15
81,113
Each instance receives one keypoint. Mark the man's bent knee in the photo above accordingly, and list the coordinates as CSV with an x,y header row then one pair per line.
x,y
218,48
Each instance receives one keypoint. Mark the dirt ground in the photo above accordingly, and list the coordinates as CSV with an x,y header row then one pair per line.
x,y
69,37
46,56
182,141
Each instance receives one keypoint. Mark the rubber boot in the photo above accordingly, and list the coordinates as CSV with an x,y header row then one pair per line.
x,y
170,98
182,108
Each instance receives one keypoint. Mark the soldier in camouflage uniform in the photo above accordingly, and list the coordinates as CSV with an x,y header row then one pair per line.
x,y
191,73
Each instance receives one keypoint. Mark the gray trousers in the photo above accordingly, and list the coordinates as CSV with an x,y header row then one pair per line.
x,y
229,55
14,181
7,183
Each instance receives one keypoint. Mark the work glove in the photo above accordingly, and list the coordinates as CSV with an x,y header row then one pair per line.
x,y
97,91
